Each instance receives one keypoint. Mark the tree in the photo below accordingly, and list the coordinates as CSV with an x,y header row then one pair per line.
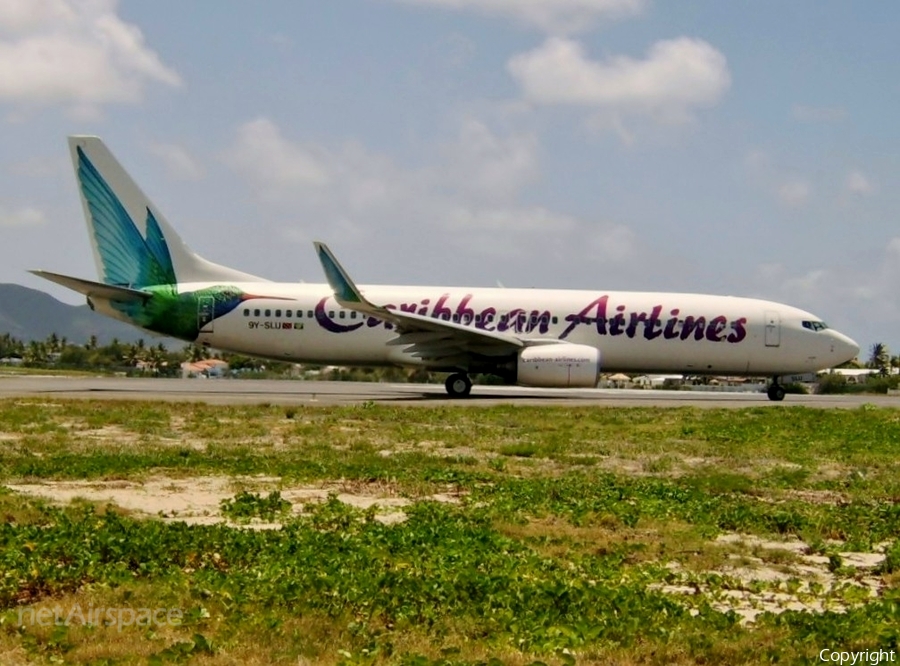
x,y
134,354
35,353
880,358
10,346
194,353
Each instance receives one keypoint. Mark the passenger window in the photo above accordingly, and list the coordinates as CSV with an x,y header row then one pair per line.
x,y
309,313
555,319
268,313
246,312
353,314
331,314
342,314
277,313
289,313
256,313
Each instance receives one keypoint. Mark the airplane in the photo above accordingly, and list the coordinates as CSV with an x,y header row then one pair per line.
x,y
532,337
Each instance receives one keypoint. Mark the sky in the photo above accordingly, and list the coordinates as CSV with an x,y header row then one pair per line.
x,y
743,148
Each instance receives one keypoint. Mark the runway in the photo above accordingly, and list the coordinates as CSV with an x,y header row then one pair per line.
x,y
288,392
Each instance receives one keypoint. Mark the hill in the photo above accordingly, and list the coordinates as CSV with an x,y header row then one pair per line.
x,y
29,314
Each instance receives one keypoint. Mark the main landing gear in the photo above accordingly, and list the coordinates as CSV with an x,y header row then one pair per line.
x,y
775,391
458,385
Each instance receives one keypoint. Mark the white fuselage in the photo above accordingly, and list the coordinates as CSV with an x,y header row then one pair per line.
x,y
634,331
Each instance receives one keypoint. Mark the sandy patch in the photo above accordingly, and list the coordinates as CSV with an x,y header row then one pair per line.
x,y
197,500
754,587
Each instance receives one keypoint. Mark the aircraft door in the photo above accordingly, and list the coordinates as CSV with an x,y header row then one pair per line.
x,y
773,328
205,314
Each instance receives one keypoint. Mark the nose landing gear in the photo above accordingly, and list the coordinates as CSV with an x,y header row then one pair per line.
x,y
775,391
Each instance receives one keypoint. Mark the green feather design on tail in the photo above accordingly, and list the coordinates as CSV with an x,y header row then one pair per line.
x,y
131,260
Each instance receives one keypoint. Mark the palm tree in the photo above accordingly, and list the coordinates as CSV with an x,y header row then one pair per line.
x,y
35,353
194,353
134,354
880,358
156,358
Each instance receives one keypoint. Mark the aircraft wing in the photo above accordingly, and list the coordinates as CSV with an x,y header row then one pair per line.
x,y
98,289
436,340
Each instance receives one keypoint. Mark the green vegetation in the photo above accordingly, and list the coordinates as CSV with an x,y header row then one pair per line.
x,y
245,506
518,533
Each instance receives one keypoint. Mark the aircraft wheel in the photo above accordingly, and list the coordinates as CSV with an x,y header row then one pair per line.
x,y
776,392
458,385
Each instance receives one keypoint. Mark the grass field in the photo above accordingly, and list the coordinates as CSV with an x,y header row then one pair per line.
x,y
452,535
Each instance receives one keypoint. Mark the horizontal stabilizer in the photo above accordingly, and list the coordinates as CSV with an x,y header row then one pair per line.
x,y
97,289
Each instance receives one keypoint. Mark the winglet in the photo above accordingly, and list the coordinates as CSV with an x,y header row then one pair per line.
x,y
345,291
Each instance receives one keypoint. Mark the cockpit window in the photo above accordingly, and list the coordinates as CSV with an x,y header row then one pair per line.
x,y
815,325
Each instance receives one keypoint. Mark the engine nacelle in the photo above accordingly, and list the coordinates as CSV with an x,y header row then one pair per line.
x,y
558,366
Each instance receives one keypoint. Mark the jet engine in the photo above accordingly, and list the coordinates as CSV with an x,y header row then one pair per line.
x,y
558,366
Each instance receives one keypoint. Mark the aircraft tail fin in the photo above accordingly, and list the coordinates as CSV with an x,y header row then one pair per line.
x,y
134,246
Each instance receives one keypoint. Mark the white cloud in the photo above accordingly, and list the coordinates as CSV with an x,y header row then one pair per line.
x,y
548,15
509,219
80,54
857,298
856,183
178,161
819,114
614,243
893,249
274,165
489,166
676,77
468,200
24,216
41,167
794,193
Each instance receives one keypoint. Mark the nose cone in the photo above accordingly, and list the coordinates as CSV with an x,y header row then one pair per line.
x,y
843,348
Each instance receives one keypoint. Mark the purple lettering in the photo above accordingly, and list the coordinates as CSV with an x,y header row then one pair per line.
x,y
539,320
615,326
325,322
695,326
441,312
408,307
633,324
466,314
652,322
487,318
738,330
601,315
716,328
670,333
424,309
514,320
582,317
